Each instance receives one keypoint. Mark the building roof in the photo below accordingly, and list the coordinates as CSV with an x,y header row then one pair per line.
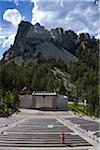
x,y
43,93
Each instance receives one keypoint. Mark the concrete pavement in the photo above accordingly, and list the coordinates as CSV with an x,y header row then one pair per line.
x,y
40,130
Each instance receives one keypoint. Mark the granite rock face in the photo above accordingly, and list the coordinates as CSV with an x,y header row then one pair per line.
x,y
33,42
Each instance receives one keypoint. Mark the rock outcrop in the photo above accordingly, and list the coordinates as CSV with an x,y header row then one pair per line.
x,y
33,42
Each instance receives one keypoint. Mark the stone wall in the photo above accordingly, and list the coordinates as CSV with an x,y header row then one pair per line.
x,y
26,101
59,102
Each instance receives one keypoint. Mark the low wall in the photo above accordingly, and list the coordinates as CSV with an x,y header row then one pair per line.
x,y
59,103
62,103
25,101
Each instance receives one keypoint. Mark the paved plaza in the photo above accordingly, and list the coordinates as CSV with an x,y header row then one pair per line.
x,y
38,130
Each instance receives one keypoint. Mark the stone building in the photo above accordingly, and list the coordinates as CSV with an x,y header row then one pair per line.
x,y
44,100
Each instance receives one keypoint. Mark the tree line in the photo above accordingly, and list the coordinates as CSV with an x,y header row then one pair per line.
x,y
41,77
85,76
36,77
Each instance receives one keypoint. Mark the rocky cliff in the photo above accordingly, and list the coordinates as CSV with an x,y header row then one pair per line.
x,y
33,42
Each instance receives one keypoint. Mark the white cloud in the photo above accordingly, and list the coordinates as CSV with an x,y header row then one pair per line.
x,y
7,42
98,36
77,15
68,18
7,37
83,30
13,16
2,39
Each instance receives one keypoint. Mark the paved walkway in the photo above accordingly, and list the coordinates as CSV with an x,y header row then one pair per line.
x,y
41,130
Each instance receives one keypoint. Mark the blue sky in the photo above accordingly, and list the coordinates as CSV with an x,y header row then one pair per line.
x,y
78,15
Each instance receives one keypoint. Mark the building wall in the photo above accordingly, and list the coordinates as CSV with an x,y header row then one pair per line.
x,y
44,102
62,103
55,102
25,101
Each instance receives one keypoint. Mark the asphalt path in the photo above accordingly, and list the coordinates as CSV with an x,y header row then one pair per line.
x,y
42,131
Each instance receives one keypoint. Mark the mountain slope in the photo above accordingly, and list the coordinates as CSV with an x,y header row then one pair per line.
x,y
34,42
